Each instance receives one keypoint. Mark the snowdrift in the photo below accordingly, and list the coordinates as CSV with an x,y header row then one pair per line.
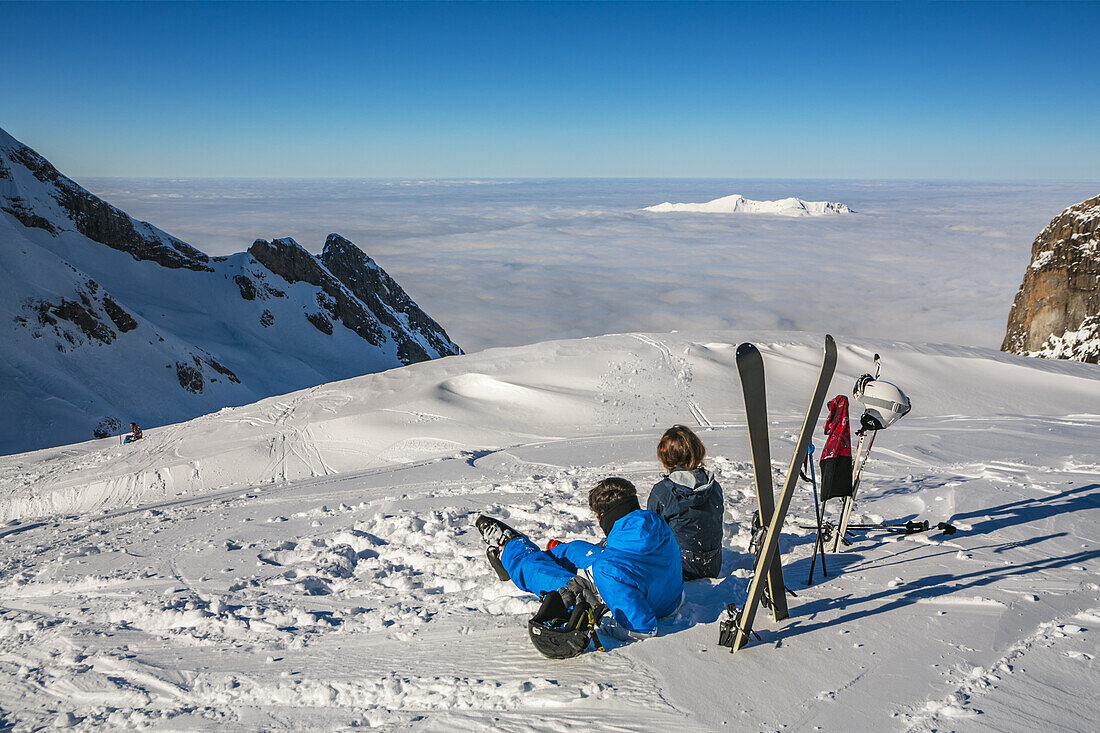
x,y
501,397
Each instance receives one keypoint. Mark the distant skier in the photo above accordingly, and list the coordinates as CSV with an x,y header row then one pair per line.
x,y
635,572
690,500
135,434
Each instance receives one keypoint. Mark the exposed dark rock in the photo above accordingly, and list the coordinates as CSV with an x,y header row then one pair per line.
x,y
245,285
267,318
27,217
103,223
123,321
319,322
80,314
287,259
1060,294
107,427
189,377
386,299
223,370
42,308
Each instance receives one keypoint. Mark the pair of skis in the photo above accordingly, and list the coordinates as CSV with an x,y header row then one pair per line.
x,y
767,571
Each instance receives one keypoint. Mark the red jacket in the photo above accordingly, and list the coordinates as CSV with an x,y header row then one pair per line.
x,y
839,442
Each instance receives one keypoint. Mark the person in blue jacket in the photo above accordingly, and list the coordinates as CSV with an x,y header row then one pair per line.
x,y
635,571
690,500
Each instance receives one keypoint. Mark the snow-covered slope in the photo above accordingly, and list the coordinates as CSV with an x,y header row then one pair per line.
x,y
105,319
308,562
738,204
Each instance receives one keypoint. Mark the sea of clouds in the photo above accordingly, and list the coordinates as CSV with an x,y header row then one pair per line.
x,y
502,263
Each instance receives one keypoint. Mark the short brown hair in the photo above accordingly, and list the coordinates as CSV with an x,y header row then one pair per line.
x,y
610,492
680,448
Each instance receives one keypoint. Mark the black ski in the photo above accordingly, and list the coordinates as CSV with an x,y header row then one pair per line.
x,y
750,367
735,630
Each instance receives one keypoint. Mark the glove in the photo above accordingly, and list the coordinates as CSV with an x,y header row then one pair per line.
x,y
579,589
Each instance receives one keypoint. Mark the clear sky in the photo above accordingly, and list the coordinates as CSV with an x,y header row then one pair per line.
x,y
863,90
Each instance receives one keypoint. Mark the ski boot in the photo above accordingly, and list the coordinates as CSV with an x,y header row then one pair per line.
x,y
496,535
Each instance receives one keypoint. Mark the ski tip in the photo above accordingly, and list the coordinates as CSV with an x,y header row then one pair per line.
x,y
744,349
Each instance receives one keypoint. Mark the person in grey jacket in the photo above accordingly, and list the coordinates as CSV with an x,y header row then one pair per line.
x,y
690,500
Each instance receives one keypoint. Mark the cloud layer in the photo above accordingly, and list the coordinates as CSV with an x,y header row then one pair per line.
x,y
512,262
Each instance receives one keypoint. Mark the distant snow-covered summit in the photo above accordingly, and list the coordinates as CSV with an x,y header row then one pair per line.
x,y
105,319
738,204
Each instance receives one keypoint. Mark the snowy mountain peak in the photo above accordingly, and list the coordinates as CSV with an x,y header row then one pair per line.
x,y
40,197
108,319
738,204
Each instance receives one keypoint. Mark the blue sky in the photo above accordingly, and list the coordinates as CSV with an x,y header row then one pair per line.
x,y
975,90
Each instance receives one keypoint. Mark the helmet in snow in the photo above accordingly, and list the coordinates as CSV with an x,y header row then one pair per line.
x,y
559,632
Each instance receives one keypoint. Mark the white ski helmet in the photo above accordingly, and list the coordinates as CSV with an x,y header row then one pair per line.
x,y
885,402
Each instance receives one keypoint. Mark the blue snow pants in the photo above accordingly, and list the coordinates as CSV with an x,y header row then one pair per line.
x,y
536,571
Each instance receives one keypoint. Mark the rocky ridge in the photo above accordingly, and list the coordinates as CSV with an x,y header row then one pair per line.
x,y
109,319
1056,312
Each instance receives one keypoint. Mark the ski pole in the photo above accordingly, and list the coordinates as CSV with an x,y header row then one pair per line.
x,y
819,544
909,527
842,528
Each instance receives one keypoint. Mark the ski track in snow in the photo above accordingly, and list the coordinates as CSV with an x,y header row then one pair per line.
x,y
330,597
682,373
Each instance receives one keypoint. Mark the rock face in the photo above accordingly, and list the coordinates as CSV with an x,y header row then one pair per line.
x,y
1056,313
105,319
94,218
383,296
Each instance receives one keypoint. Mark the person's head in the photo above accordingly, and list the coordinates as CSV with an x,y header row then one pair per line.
x,y
680,448
133,426
611,499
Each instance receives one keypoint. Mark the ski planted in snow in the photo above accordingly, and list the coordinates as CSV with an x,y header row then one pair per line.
x,y
750,367
735,629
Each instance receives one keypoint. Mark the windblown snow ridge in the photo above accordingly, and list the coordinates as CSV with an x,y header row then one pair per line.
x,y
738,204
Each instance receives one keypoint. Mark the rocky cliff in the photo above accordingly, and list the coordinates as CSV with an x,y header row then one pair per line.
x,y
1056,313
105,319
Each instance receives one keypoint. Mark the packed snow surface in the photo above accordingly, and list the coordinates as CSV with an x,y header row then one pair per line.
x,y
308,562
738,204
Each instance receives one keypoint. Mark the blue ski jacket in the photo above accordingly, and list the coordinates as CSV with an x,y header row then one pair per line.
x,y
636,572
691,503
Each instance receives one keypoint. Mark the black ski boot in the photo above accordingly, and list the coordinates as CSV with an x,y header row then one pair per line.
x,y
496,535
